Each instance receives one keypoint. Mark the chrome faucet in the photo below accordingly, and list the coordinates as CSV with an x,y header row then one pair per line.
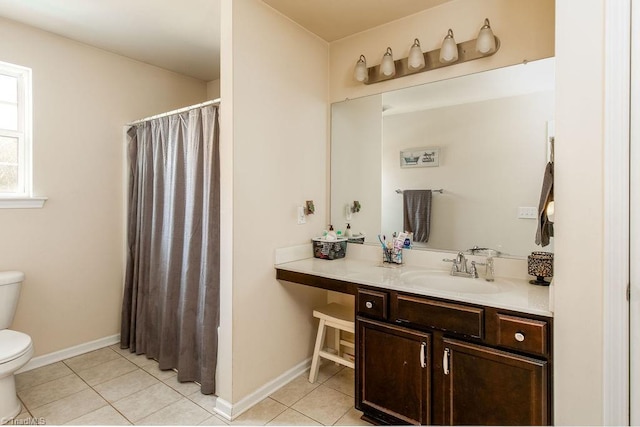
x,y
459,266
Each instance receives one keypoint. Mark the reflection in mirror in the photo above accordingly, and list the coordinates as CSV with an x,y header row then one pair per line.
x,y
481,138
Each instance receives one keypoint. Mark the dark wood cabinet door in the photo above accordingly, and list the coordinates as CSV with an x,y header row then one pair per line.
x,y
492,387
393,373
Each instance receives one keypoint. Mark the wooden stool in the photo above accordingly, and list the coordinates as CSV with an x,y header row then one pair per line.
x,y
340,318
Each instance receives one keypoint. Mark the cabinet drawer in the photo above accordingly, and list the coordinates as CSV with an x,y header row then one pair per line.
x,y
372,304
445,316
522,334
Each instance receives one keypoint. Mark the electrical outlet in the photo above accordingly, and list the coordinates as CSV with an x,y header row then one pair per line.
x,y
302,218
527,212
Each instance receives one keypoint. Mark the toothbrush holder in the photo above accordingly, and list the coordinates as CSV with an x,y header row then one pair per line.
x,y
391,256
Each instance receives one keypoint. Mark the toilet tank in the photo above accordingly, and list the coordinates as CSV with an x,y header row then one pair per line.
x,y
10,282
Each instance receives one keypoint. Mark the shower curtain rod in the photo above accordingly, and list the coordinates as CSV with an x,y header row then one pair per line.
x,y
179,110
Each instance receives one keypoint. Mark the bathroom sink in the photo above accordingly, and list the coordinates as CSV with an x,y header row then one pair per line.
x,y
442,280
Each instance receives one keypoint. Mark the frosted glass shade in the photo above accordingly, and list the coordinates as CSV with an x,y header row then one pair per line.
x,y
361,73
416,57
486,42
449,49
387,66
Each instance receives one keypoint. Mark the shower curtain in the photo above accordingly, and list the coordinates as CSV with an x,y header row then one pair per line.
x,y
170,309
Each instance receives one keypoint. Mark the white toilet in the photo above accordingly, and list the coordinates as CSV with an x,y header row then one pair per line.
x,y
16,348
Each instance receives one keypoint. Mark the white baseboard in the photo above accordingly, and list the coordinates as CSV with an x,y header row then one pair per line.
x,y
230,411
66,353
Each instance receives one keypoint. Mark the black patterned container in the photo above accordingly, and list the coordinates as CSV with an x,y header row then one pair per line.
x,y
540,265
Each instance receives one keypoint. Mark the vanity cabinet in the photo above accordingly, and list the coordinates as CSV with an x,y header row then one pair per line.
x,y
482,385
427,361
394,373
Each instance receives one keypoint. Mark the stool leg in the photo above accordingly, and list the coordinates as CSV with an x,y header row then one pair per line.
x,y
336,335
315,359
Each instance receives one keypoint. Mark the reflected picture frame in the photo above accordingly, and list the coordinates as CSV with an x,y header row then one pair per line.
x,y
420,157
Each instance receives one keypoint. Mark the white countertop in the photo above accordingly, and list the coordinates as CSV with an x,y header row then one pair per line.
x,y
506,293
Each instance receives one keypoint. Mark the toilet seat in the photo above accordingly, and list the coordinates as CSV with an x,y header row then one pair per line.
x,y
13,344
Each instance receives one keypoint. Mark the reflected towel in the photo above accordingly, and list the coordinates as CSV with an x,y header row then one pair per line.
x,y
545,227
417,213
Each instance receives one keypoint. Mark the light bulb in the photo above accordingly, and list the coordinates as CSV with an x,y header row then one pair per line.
x,y
361,73
387,66
551,210
449,49
416,57
486,42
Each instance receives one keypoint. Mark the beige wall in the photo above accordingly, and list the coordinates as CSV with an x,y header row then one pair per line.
x,y
525,28
71,250
279,112
579,227
356,156
213,89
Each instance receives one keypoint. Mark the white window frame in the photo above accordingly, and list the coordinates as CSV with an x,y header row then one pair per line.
x,y
23,198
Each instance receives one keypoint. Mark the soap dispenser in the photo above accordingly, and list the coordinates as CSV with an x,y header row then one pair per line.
x,y
347,231
331,235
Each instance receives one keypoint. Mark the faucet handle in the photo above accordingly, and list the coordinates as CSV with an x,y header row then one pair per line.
x,y
455,266
473,271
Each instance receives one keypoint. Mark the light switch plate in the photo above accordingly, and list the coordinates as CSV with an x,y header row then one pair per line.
x,y
302,218
527,212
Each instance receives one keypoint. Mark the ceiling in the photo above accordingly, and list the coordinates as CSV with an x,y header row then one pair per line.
x,y
184,36
335,19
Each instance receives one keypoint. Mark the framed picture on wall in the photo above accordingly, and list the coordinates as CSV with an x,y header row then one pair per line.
x,y
420,157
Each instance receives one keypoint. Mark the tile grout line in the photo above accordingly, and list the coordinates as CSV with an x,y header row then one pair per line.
x,y
342,416
93,389
28,409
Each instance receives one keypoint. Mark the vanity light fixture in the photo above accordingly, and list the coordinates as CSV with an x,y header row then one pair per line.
x,y
450,53
387,66
416,57
449,49
486,42
361,73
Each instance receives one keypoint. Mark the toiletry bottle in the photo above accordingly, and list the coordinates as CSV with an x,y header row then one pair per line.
x,y
347,232
331,235
407,240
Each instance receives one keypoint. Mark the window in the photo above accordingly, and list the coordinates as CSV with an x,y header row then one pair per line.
x,y
15,137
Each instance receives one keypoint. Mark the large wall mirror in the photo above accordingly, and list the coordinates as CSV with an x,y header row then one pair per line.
x,y
483,139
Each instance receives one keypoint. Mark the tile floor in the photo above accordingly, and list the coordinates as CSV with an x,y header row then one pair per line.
x,y
111,386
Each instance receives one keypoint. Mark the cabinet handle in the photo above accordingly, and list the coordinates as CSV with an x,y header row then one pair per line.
x,y
519,336
445,361
423,356
368,304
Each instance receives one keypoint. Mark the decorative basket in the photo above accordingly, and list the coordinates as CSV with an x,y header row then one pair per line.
x,y
332,249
